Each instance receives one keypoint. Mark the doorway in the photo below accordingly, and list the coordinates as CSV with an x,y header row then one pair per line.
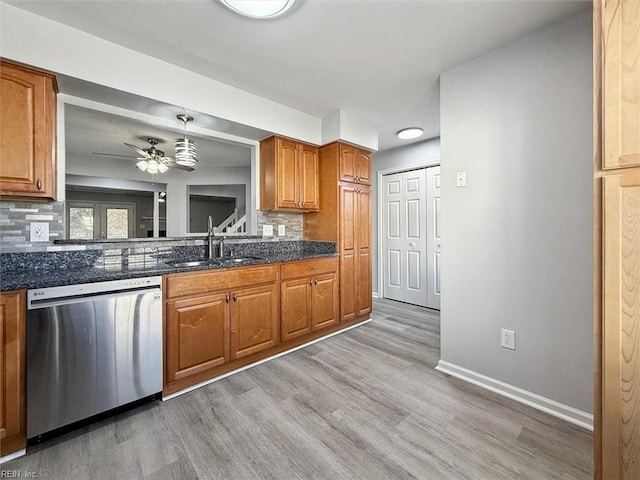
x,y
411,260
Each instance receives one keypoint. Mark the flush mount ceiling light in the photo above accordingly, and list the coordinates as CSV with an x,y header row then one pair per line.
x,y
259,8
185,147
408,133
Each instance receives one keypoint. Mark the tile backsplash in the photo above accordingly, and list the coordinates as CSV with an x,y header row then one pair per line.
x,y
293,223
16,217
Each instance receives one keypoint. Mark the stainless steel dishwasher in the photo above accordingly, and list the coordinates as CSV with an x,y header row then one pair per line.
x,y
91,348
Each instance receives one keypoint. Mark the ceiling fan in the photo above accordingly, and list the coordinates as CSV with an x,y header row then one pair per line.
x,y
150,159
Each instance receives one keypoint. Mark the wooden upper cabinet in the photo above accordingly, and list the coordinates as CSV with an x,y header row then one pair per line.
x,y
364,167
288,175
309,182
288,172
621,83
355,164
28,132
13,414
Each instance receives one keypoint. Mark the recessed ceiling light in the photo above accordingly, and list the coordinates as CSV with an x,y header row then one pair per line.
x,y
259,8
407,133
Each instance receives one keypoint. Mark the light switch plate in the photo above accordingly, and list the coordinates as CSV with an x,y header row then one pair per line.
x,y
39,232
267,230
461,179
281,230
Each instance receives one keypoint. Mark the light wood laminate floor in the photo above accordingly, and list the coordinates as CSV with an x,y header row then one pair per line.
x,y
365,404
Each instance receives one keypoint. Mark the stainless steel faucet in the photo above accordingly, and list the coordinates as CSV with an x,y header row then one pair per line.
x,y
210,239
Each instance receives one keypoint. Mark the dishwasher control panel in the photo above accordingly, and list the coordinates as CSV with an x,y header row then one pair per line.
x,y
36,296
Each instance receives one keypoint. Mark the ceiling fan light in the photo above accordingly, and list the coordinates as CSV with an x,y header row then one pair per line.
x,y
185,152
152,167
142,165
162,167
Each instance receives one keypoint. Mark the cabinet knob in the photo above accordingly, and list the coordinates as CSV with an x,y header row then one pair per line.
x,y
226,298
311,281
39,184
315,282
235,297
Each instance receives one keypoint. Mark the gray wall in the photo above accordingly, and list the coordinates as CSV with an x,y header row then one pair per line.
x,y
517,241
426,152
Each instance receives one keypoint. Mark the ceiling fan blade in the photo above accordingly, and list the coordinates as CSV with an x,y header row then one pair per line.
x,y
139,151
171,162
111,155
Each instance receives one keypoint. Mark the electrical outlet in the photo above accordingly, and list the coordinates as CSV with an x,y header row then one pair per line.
x,y
281,230
267,230
39,232
461,179
508,339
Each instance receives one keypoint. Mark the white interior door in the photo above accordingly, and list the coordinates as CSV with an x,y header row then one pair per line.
x,y
433,237
405,237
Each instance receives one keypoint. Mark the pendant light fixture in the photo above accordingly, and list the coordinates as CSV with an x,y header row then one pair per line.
x,y
185,147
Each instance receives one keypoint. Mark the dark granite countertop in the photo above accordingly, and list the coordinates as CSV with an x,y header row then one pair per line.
x,y
120,267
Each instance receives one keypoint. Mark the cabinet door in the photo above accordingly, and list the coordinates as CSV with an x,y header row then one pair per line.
x,y
621,326
296,308
308,180
197,336
27,136
621,83
348,163
13,415
363,255
347,286
287,174
363,282
254,320
363,169
324,303
348,210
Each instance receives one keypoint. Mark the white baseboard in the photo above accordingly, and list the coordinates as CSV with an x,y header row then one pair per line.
x,y
13,455
557,409
268,359
375,295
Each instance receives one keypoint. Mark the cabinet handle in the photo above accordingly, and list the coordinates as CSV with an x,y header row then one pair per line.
x,y
235,297
226,298
39,184
311,268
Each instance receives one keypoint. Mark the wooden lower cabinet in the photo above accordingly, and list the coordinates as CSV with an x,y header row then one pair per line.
x,y
309,295
296,308
254,320
216,317
324,301
198,332
13,414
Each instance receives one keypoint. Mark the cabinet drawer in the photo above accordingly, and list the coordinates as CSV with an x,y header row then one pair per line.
x,y
181,284
305,268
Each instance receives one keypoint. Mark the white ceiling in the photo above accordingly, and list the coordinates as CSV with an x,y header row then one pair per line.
x,y
377,59
88,131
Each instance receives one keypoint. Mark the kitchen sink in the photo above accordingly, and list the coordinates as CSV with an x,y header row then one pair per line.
x,y
241,259
194,263
211,261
